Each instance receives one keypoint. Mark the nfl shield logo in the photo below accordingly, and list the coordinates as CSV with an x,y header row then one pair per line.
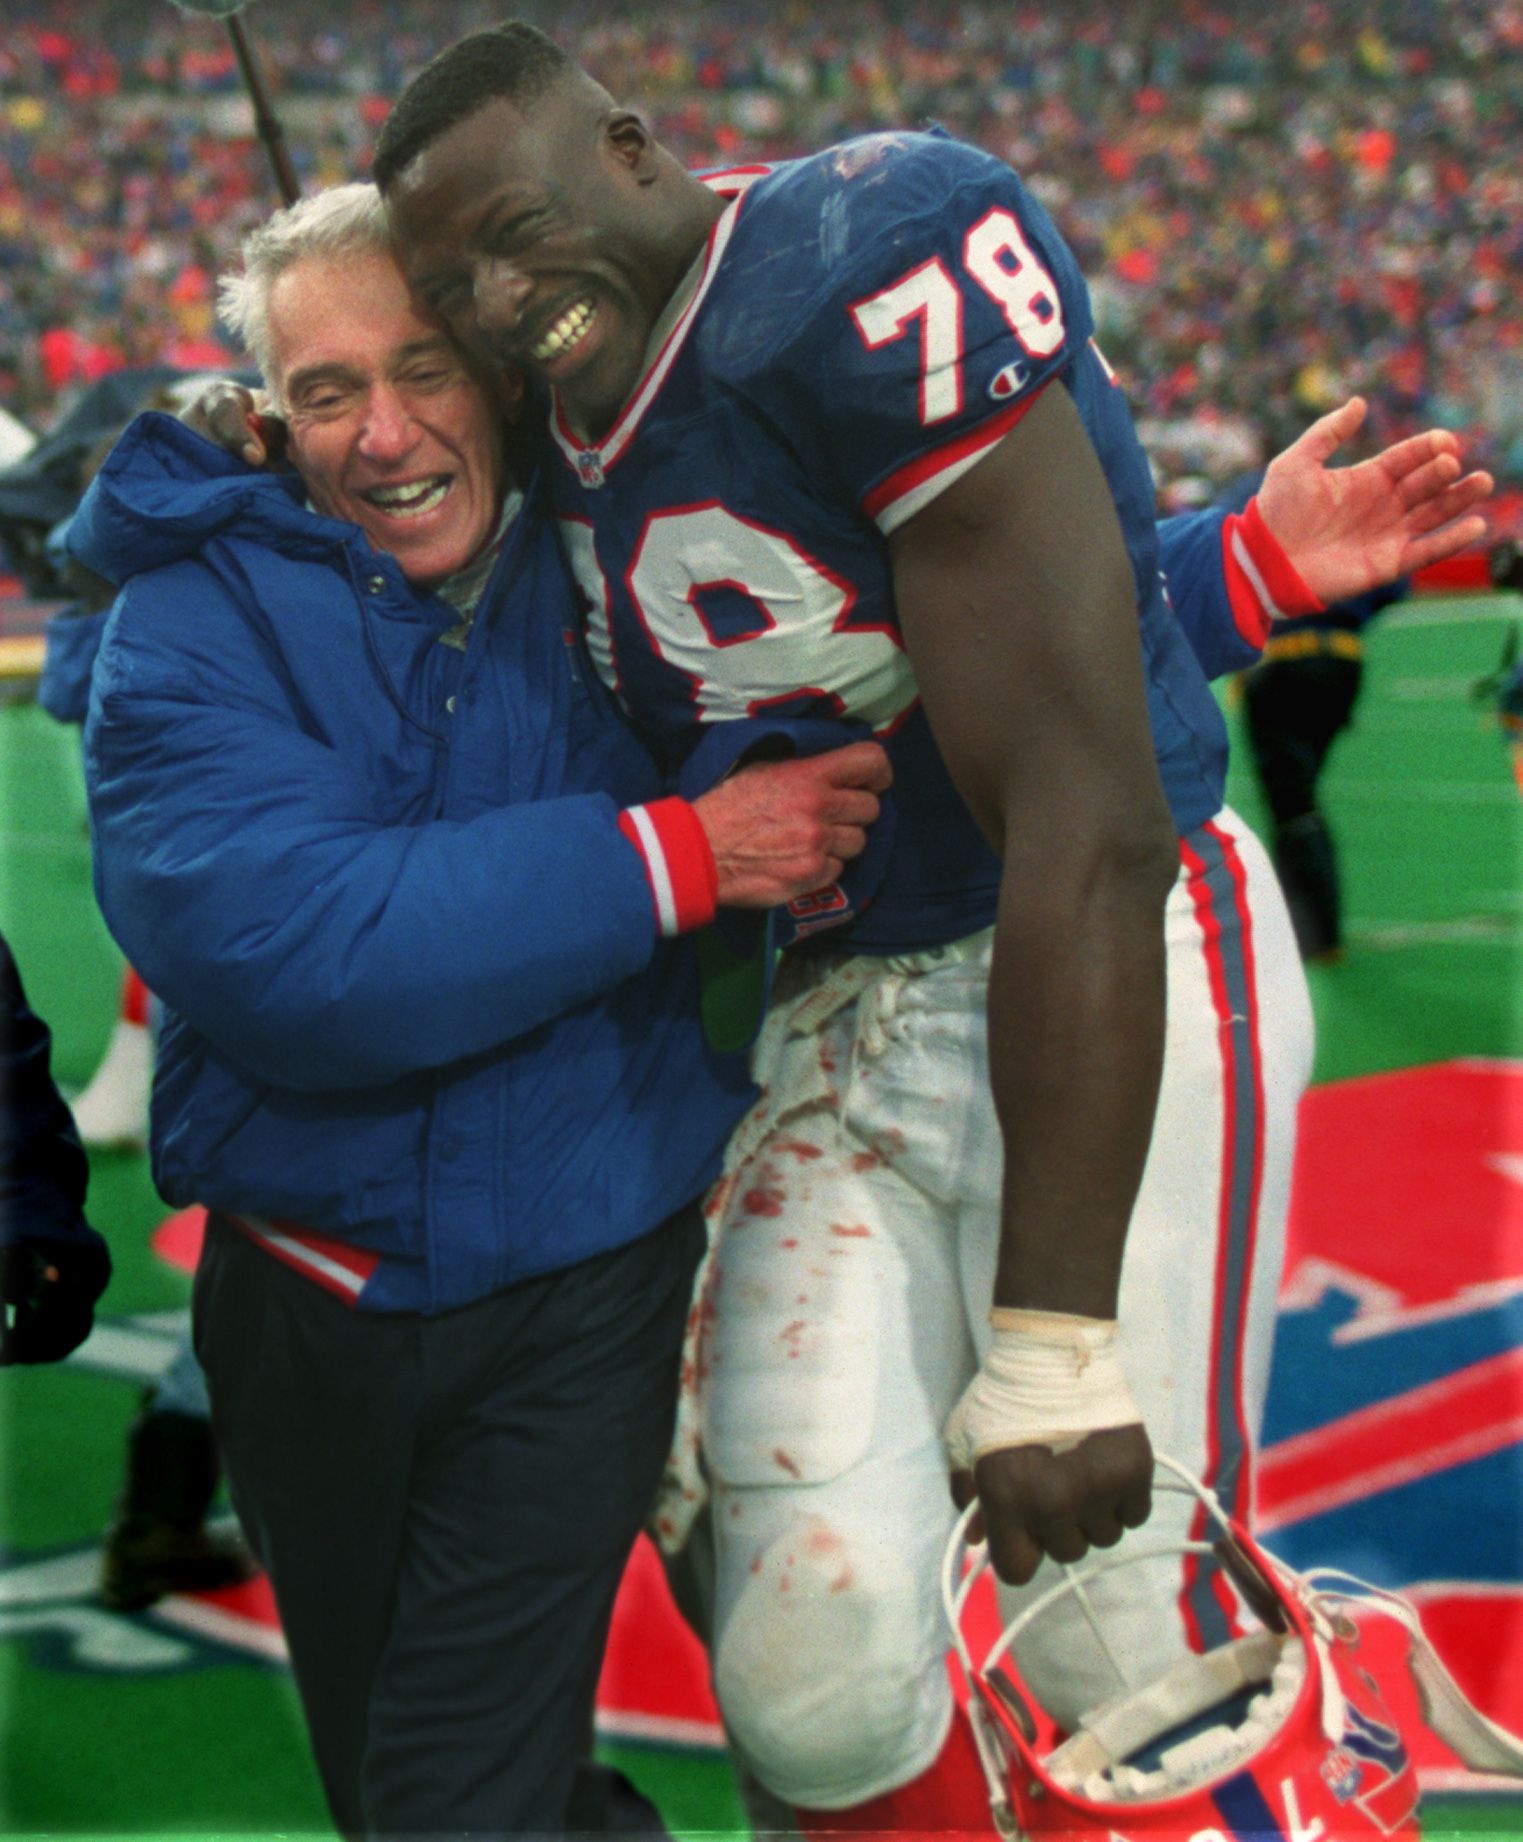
x,y
590,469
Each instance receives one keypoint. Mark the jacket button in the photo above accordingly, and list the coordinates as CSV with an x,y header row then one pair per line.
x,y
374,584
449,704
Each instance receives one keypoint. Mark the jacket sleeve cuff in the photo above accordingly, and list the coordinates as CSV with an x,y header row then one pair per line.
x,y
1262,583
679,865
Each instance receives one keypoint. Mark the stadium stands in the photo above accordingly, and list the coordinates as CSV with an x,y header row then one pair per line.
x,y
1276,205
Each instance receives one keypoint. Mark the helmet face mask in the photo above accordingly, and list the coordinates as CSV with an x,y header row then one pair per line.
x,y
1282,1731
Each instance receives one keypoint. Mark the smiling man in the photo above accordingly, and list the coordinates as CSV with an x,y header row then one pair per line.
x,y
834,436
409,890
418,463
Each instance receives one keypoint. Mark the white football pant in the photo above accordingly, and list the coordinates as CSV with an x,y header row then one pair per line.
x,y
846,1308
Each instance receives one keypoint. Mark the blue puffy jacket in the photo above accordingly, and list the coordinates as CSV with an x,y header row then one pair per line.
x,y
415,996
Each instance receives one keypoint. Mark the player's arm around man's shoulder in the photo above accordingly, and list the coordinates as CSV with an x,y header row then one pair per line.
x,y
1037,702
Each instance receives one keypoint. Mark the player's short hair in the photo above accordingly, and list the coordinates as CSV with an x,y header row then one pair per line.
x,y
344,220
514,61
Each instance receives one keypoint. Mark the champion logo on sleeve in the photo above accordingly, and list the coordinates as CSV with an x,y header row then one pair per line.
x,y
1010,381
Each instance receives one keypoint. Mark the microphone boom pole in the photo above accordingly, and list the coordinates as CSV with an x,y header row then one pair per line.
x,y
265,118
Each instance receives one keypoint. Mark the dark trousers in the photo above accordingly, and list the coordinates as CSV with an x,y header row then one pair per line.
x,y
1295,709
444,1507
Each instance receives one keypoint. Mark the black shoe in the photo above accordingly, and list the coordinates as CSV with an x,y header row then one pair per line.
x,y
145,1559
159,1542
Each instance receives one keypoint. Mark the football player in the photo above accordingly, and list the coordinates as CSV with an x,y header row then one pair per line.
x,y
834,438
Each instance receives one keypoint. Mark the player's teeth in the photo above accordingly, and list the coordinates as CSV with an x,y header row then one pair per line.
x,y
411,500
565,333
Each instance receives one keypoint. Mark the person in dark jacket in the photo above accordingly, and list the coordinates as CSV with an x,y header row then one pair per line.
x,y
53,1264
1296,703
411,893
1297,700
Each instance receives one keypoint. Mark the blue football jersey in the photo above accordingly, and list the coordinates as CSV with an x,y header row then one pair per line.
x,y
863,327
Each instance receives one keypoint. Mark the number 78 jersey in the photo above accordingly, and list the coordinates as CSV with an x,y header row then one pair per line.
x,y
862,328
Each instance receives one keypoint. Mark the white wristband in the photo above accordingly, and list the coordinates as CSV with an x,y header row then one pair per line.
x,y
1048,1379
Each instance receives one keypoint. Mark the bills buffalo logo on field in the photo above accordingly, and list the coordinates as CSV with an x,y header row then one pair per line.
x,y
1393,1444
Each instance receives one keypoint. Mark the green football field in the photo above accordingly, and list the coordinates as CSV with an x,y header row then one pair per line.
x,y
113,1725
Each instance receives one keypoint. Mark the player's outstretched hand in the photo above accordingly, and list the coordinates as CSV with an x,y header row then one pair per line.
x,y
1036,1502
237,419
1350,529
780,829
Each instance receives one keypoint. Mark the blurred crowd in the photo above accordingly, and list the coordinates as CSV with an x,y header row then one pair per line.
x,y
1275,205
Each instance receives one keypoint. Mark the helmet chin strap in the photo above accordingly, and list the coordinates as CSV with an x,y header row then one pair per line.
x,y
1107,1649
1480,1742
1474,1737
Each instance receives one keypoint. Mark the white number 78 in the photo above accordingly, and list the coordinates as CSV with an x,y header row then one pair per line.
x,y
998,257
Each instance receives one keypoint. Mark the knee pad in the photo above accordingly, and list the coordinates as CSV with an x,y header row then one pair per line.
x,y
829,1668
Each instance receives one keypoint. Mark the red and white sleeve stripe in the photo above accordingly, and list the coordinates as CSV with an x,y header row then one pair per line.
x,y
679,865
1262,582
913,486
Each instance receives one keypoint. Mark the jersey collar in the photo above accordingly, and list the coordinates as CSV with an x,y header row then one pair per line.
x,y
591,461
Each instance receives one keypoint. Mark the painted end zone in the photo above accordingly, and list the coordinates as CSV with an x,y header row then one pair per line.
x,y
1393,1444
655,1681
177,1239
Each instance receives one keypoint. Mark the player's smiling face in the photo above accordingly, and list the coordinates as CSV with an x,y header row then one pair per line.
x,y
539,237
390,428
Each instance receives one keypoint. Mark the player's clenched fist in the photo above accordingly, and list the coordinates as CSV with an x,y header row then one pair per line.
x,y
1048,1437
1037,1502
783,828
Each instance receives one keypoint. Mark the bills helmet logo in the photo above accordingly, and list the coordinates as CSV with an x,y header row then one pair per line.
x,y
1386,1790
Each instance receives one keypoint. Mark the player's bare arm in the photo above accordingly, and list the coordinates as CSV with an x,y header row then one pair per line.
x,y
1350,529
1017,602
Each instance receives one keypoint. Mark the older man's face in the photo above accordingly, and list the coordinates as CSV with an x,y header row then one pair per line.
x,y
389,426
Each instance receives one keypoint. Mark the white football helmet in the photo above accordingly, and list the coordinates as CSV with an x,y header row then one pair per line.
x,y
1283,1731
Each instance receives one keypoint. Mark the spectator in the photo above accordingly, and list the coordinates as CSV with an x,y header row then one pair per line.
x,y
1196,159
53,1264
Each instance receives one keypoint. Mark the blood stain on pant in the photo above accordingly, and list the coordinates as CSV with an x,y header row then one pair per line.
x,y
796,1148
790,1334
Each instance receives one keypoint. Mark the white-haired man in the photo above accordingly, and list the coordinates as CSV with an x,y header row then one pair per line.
x,y
432,1056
